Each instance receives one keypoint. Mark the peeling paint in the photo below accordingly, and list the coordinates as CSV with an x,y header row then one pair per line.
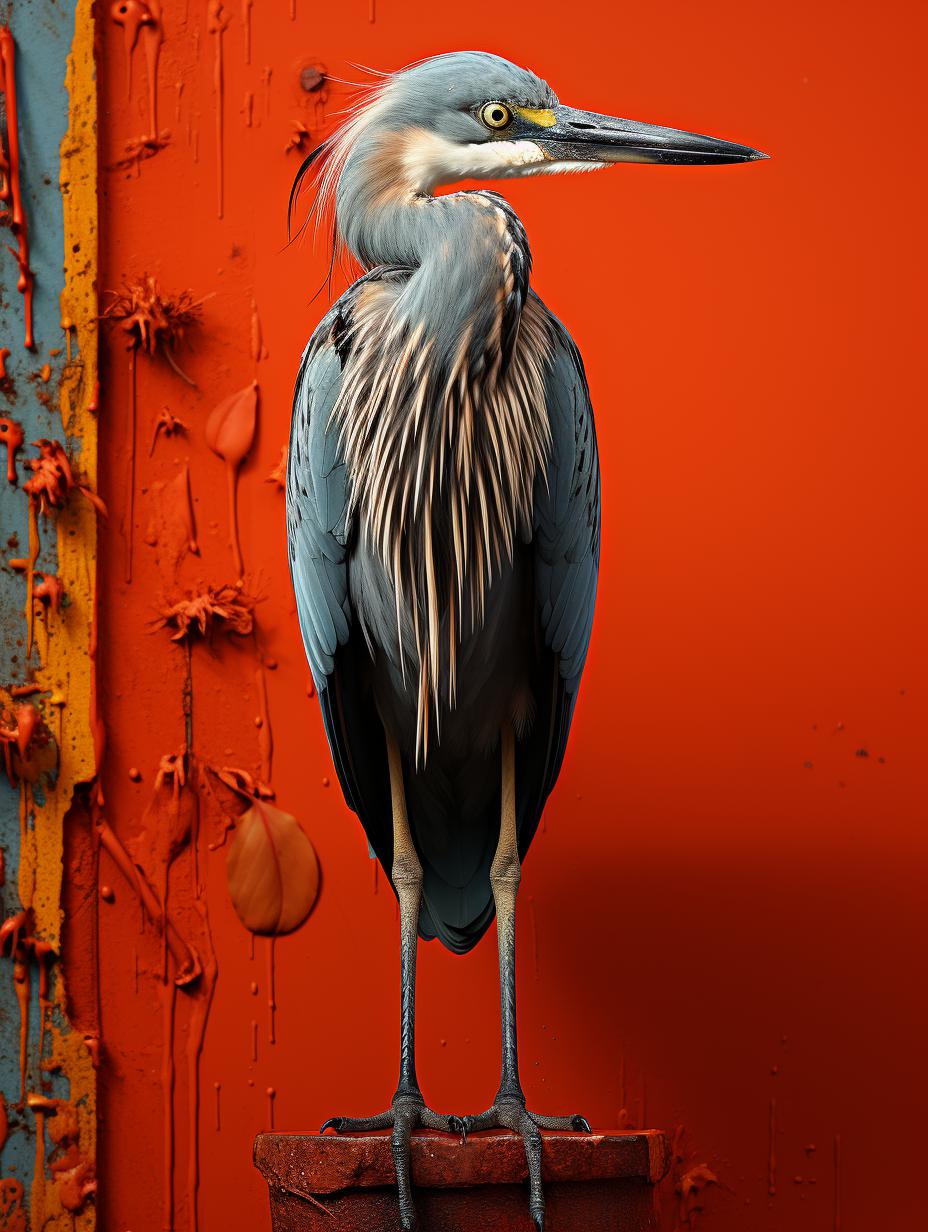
x,y
56,1080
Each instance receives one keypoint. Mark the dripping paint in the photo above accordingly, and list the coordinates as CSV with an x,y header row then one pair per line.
x,y
48,1058
141,22
168,995
246,27
11,190
272,990
218,22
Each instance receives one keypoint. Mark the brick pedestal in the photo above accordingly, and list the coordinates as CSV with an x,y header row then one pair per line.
x,y
595,1183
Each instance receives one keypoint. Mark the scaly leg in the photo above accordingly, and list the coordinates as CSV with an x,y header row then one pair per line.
x,y
408,1109
508,1110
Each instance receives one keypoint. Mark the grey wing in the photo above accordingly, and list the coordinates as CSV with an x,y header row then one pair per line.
x,y
319,542
567,517
317,502
565,548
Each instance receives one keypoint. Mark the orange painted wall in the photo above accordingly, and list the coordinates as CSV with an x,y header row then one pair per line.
x,y
726,906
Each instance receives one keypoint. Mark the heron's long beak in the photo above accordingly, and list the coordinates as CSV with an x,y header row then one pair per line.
x,y
568,135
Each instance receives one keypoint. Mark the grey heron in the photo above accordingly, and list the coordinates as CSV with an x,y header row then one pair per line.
x,y
443,517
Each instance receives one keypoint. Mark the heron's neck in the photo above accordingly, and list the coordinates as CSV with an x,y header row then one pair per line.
x,y
467,252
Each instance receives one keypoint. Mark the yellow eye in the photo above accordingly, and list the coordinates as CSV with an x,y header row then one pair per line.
x,y
495,115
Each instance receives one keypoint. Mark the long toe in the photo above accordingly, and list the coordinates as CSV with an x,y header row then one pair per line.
x,y
399,1146
435,1120
536,1198
359,1125
577,1123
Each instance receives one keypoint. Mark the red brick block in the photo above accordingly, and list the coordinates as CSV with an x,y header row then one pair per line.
x,y
593,1183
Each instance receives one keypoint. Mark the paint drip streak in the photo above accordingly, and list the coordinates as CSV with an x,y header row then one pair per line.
x,y
169,996
272,990
246,27
153,37
218,22
11,194
265,735
130,462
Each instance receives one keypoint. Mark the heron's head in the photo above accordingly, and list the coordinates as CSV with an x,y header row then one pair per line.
x,y
472,115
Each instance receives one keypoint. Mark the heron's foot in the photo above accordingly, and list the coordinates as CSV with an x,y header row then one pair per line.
x,y
407,1112
509,1112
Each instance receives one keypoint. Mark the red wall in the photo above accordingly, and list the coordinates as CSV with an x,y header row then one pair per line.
x,y
725,907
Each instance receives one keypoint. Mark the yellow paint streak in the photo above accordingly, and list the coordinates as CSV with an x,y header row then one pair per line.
x,y
543,118
66,672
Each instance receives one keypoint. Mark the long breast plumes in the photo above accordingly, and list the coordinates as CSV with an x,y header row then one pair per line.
x,y
443,453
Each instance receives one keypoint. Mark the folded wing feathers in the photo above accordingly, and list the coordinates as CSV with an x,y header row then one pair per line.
x,y
566,518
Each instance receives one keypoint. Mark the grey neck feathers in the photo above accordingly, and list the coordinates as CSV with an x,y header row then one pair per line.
x,y
468,253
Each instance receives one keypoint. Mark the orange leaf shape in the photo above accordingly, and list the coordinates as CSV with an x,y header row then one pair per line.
x,y
230,428
272,870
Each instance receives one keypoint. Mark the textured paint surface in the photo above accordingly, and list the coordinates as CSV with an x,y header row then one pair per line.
x,y
47,1066
722,915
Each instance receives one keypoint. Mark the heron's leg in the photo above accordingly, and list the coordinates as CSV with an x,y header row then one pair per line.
x,y
408,1109
508,1110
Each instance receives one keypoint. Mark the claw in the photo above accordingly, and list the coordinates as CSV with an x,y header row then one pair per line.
x,y
538,1219
580,1123
331,1123
456,1126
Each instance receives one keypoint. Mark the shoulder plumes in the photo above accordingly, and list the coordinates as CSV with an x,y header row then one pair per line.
x,y
323,166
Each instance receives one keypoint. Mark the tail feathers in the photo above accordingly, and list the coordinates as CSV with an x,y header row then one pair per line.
x,y
458,938
454,817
